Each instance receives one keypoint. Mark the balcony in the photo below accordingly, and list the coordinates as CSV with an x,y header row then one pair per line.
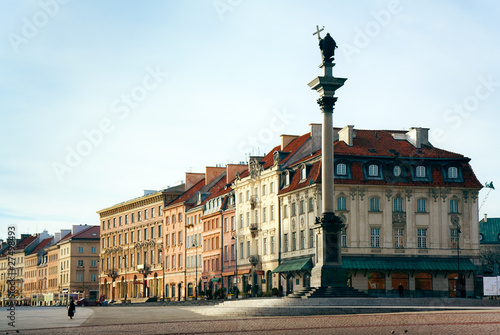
x,y
112,273
253,201
253,229
253,259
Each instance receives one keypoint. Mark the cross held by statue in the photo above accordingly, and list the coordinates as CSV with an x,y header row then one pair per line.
x,y
318,31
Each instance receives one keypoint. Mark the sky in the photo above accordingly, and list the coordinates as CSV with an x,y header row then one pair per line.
x,y
100,100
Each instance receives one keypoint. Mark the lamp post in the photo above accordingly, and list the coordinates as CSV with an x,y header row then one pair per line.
x,y
459,285
235,239
196,271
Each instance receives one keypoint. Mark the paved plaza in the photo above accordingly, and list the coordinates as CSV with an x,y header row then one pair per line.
x,y
182,320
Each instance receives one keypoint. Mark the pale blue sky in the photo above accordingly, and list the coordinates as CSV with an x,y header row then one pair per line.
x,y
226,72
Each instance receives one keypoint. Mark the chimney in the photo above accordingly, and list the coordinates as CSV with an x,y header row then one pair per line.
x,y
192,179
346,134
485,218
418,137
232,169
316,136
286,139
213,172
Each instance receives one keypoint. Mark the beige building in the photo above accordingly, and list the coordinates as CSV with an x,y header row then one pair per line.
x,y
406,206
78,263
132,244
36,272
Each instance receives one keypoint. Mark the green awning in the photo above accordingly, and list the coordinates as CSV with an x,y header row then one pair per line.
x,y
292,265
216,280
426,264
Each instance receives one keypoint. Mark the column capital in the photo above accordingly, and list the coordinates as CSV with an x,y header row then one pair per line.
x,y
326,103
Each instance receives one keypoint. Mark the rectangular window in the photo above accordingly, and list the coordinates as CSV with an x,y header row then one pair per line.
x,y
264,214
272,213
294,209
374,204
248,249
93,262
180,237
302,239
422,238
153,233
132,237
120,239
265,245
232,223
132,260
294,241
264,190
341,203
126,219
153,212
271,188
225,224
285,211
126,238
241,251
159,231
114,240
453,206
343,238
375,237
80,250
241,220
421,206
226,253
173,261
139,235
93,277
139,216
80,277
454,238
285,242
80,262
173,238
311,238
180,261
248,219
398,205
120,221
311,204
132,217
233,252
167,262
302,208
272,245
114,222
93,250
399,238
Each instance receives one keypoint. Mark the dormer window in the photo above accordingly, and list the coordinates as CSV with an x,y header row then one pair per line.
x,y
397,171
420,172
452,172
341,169
287,179
303,173
373,170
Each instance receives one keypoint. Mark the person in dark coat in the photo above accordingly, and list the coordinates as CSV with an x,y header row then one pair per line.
x,y
401,290
71,309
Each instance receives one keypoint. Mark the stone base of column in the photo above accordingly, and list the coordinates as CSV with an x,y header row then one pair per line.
x,y
328,275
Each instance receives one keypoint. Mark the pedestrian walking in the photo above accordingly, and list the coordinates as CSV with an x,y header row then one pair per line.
x,y
401,290
71,309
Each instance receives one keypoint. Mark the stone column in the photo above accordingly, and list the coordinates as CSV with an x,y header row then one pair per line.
x,y
328,269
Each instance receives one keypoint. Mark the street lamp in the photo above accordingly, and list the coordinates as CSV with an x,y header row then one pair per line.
x,y
235,239
459,292
196,273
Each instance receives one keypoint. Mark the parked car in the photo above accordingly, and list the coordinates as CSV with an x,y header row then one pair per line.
x,y
88,302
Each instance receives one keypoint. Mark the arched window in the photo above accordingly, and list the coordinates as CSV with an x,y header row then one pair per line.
x,y
421,205
341,203
374,204
399,278
423,281
180,217
341,169
420,171
303,173
452,172
373,170
376,281
173,218
398,205
453,206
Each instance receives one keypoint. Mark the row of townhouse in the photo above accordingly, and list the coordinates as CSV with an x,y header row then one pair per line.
x,y
48,270
410,213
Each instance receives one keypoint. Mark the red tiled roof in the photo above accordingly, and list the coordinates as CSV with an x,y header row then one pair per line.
x,y
89,233
188,194
25,242
41,245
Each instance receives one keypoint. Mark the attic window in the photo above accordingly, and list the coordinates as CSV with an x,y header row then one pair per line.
x,y
420,171
372,150
373,170
303,173
94,234
341,169
397,171
287,178
452,172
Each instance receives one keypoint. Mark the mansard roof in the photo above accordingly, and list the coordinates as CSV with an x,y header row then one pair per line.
x,y
382,146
